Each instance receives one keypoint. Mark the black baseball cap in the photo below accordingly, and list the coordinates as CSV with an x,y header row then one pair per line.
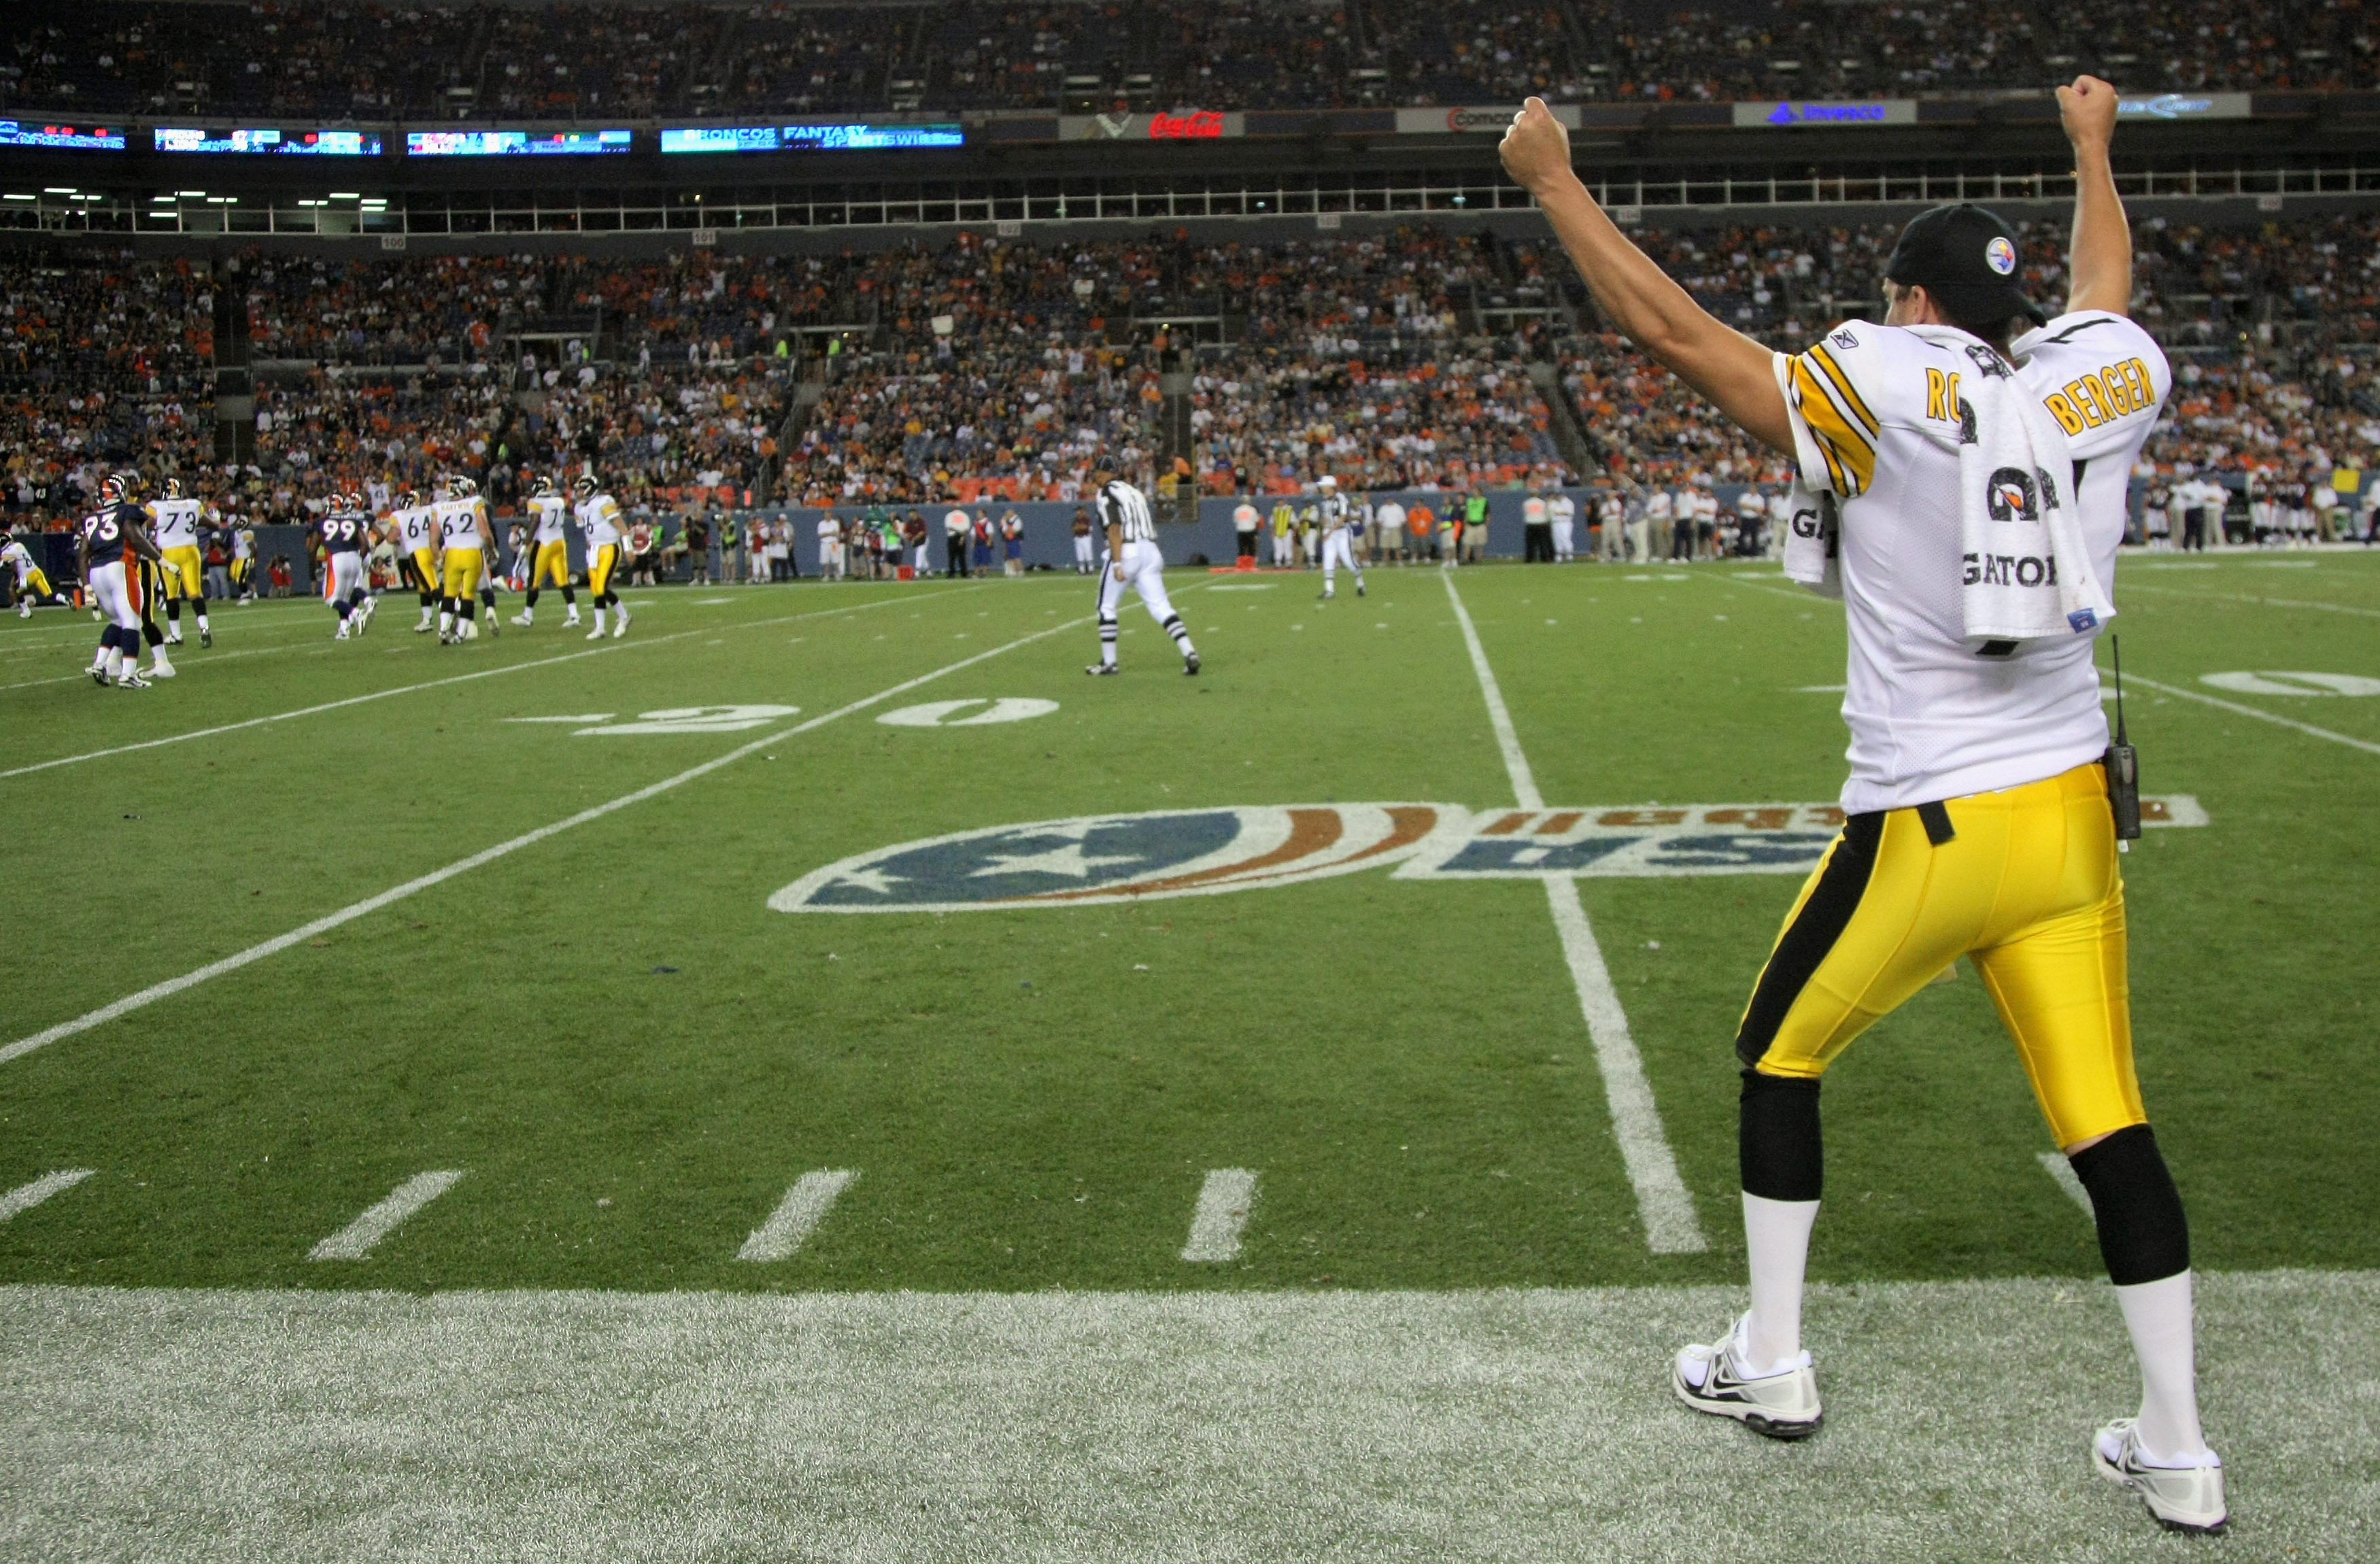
x,y
1969,259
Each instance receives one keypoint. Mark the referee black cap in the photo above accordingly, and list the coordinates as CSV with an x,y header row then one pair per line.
x,y
1968,259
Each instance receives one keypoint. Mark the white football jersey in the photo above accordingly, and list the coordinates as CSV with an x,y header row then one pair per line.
x,y
178,522
548,511
458,524
598,517
417,526
1935,714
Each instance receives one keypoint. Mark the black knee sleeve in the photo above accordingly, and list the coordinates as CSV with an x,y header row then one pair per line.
x,y
107,637
1779,1151
2143,1235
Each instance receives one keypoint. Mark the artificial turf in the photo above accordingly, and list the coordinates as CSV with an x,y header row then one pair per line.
x,y
633,1057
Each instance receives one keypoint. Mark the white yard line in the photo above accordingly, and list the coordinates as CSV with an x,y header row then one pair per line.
x,y
2362,743
24,1197
2249,598
356,1239
1517,764
279,942
1663,1202
1225,1201
796,1216
1528,1427
2062,1173
435,684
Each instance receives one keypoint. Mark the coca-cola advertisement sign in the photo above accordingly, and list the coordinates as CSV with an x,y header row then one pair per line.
x,y
1195,126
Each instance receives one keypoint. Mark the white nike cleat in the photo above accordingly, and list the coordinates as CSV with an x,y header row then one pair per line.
x,y
523,620
342,633
2183,1498
620,624
424,627
597,633
173,637
160,669
1709,1377
571,623
130,679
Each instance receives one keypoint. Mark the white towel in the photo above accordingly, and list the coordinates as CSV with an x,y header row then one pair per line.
x,y
2028,576
1814,541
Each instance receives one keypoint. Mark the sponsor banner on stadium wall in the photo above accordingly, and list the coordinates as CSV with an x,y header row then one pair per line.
x,y
1096,859
1490,119
1187,124
1882,111
2187,106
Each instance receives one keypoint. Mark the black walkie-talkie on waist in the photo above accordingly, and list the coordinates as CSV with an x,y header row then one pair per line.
x,y
2124,765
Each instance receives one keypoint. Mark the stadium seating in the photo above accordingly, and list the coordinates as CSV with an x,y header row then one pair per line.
x,y
1001,368
392,60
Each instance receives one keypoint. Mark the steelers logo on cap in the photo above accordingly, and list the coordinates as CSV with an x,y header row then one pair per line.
x,y
2000,256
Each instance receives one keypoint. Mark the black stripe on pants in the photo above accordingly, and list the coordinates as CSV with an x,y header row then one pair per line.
x,y
1812,936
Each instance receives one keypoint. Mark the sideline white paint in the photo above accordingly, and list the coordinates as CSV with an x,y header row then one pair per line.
x,y
279,942
581,716
2062,1173
1225,1201
455,679
2364,744
796,1216
24,1197
1223,1425
1663,1202
356,1239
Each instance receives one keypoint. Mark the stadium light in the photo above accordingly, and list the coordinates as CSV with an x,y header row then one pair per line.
x,y
18,198
344,196
57,190
191,193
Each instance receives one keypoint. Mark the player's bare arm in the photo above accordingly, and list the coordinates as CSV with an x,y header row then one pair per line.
x,y
2099,256
1722,363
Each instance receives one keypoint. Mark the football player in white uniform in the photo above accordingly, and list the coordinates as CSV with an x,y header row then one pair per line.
x,y
550,557
30,585
1133,560
1980,819
465,540
174,527
599,518
413,529
1338,521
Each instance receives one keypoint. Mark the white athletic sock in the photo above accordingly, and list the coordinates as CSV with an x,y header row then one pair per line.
x,y
2157,1314
115,663
446,623
598,619
1777,1241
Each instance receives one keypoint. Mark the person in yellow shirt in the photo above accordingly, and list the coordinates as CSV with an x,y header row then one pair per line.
x,y
549,555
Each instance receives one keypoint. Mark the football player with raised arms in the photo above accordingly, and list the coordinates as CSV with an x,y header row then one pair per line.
x,y
1133,560
109,545
549,555
1979,812
174,529
465,540
599,518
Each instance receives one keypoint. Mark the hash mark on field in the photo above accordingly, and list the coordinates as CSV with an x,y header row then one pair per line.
x,y
2062,1171
356,1239
2364,744
1223,1203
796,1216
24,1197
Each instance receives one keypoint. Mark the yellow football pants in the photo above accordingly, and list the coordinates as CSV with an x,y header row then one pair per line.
x,y
551,566
463,566
182,571
602,561
2027,890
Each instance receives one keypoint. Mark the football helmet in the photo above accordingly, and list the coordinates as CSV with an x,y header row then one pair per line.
x,y
544,487
586,486
114,489
173,489
461,488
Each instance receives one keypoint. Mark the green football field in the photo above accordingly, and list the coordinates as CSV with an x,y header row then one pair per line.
x,y
1385,976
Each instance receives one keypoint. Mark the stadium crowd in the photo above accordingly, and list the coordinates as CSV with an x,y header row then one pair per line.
x,y
997,369
386,60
